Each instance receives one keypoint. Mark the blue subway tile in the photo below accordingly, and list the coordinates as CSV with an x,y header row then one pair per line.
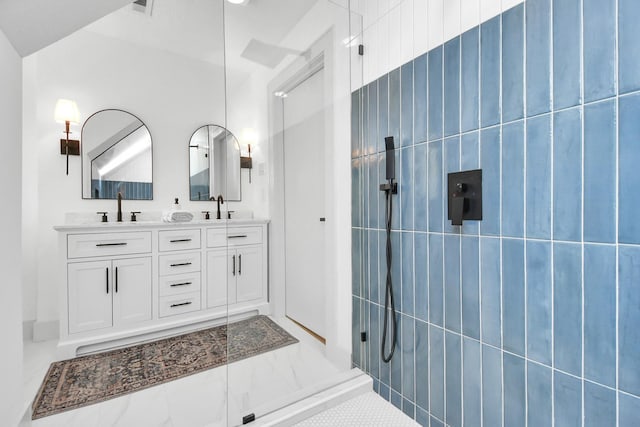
x,y
395,199
366,253
420,99
372,118
364,174
408,356
422,363
382,211
405,189
513,64
406,108
567,26
356,345
629,319
628,47
356,109
538,268
374,192
396,361
422,277
394,105
567,393
408,408
470,288
436,371
452,87
567,175
600,172
356,261
435,94
374,340
628,155
513,179
599,34
435,280
382,264
396,399
408,271
491,386
490,290
451,164
513,296
470,159
538,40
436,422
629,411
490,164
538,179
383,110
567,306
599,406
600,314
384,391
374,257
515,390
422,417
356,193
452,282
434,185
538,395
396,268
490,72
470,86
472,384
454,379
420,187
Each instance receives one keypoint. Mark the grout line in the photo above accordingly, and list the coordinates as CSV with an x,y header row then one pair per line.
x,y
524,222
582,226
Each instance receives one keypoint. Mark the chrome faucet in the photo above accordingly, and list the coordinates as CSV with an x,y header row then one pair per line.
x,y
220,200
119,206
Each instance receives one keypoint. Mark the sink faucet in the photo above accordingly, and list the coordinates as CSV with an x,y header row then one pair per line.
x,y
220,201
119,206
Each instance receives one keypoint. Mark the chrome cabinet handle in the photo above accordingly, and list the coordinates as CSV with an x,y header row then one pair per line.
x,y
180,304
116,280
240,264
234,265
111,244
107,281
179,240
180,264
173,285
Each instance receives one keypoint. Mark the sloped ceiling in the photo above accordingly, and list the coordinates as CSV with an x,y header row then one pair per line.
x,y
31,25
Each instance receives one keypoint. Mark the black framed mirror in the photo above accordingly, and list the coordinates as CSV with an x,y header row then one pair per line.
x,y
117,157
214,164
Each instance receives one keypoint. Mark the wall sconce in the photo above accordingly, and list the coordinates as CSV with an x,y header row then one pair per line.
x,y
67,113
249,136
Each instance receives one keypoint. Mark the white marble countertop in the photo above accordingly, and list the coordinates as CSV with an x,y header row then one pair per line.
x,y
126,224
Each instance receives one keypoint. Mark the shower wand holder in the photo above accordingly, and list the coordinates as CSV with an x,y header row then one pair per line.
x,y
390,186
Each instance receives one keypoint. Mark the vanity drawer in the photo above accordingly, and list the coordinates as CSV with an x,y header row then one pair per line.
x,y
179,284
179,304
108,244
179,263
178,240
236,236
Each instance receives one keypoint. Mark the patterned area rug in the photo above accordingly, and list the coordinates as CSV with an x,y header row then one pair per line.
x,y
85,380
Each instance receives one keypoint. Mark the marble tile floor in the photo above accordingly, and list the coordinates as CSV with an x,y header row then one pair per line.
x,y
217,397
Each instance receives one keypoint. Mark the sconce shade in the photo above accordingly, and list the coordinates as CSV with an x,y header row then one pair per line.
x,y
67,111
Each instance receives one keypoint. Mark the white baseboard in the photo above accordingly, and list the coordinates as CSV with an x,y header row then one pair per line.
x,y
44,331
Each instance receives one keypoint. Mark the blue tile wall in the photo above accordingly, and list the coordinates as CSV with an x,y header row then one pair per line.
x,y
130,190
529,317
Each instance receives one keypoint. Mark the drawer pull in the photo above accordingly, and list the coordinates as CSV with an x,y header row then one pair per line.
x,y
173,285
238,236
111,244
107,280
180,304
179,240
180,264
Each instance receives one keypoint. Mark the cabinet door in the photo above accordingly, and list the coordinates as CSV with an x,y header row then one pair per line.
x,y
249,273
217,261
131,290
89,290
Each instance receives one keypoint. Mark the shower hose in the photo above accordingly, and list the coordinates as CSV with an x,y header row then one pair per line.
x,y
389,306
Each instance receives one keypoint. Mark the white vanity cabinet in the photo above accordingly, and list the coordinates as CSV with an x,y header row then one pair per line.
x,y
126,283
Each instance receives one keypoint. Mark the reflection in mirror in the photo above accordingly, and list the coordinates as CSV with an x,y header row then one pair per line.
x,y
116,157
214,164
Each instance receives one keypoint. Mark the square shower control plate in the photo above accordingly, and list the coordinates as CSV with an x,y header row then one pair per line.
x,y
467,185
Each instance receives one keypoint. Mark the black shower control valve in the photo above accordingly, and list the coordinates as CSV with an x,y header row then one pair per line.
x,y
104,216
464,196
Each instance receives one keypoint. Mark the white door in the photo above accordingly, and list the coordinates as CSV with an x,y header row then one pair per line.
x,y
249,273
304,146
132,290
90,290
217,260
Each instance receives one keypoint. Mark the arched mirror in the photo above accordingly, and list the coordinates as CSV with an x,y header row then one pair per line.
x,y
116,157
214,164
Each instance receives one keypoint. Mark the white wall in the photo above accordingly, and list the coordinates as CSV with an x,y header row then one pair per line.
x,y
173,95
10,252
